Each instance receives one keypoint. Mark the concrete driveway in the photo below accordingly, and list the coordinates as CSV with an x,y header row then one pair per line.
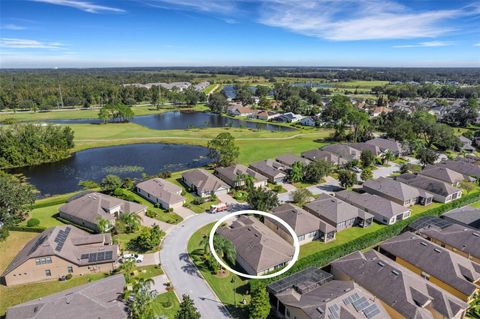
x,y
183,274
149,222
329,186
184,212
159,283
227,199
383,171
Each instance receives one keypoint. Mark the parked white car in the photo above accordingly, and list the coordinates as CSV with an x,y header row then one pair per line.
x,y
138,258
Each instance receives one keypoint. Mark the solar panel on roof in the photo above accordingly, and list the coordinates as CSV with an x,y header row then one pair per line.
x,y
360,304
371,311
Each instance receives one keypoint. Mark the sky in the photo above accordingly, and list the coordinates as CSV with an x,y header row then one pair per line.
x,y
122,33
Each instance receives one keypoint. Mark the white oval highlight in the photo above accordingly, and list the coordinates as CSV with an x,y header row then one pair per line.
x,y
296,244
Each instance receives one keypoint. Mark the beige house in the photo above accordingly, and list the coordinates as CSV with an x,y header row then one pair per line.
x,y
161,192
204,183
236,175
89,209
60,251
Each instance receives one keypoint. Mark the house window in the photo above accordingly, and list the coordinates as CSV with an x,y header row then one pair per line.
x,y
70,269
302,237
48,273
43,261
288,313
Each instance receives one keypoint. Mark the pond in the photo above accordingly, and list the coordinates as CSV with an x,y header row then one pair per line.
x,y
124,160
177,120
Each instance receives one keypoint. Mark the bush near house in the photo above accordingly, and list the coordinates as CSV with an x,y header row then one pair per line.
x,y
325,257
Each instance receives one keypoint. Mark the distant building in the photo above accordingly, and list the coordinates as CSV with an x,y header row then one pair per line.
x,y
99,299
162,192
366,147
203,183
267,115
273,170
317,155
88,209
259,249
60,251
289,117
236,175
387,145
290,159
239,110
308,121
343,151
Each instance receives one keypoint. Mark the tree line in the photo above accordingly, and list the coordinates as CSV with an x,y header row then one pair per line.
x,y
30,144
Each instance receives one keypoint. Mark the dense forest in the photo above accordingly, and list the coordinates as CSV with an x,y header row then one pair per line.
x,y
30,144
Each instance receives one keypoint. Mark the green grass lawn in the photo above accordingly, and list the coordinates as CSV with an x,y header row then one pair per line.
x,y
342,237
46,216
360,84
166,304
222,286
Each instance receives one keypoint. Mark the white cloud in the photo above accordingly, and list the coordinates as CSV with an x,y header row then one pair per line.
x,y
82,5
28,44
355,20
477,44
216,6
13,27
428,44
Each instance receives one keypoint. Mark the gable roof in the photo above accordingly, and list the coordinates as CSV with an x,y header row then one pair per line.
x,y
301,221
334,210
232,172
316,154
69,243
372,203
92,206
445,265
290,159
459,237
428,184
343,150
386,144
256,244
99,299
462,166
443,174
466,215
269,168
394,189
397,286
366,147
162,189
204,181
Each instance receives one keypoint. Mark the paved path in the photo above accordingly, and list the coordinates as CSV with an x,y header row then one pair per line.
x,y
149,222
184,212
183,274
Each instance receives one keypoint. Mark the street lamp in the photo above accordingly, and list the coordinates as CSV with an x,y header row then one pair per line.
x,y
234,291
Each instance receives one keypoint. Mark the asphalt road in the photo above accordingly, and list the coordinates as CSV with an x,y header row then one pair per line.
x,y
181,271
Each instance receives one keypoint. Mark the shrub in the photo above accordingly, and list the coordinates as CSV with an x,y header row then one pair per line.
x,y
68,276
33,222
198,201
151,214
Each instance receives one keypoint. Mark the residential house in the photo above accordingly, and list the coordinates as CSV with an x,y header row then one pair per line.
x,y
240,110
338,213
442,267
366,147
463,166
87,210
201,86
317,155
397,192
343,151
162,192
383,210
466,144
462,240
236,175
267,115
441,191
379,110
311,294
308,121
467,216
443,174
387,145
289,117
203,183
59,251
259,249
290,159
274,171
306,226
403,293
99,299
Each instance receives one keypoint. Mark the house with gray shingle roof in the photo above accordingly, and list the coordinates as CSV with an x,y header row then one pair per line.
x,y
444,174
441,266
88,209
344,151
403,293
317,155
235,175
203,183
290,159
259,249
307,226
338,213
366,147
441,191
162,192
387,145
99,299
467,216
302,296
463,166
273,170
383,210
462,240
397,192
59,251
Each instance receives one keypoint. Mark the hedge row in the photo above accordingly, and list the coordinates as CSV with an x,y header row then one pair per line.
x,y
27,229
325,257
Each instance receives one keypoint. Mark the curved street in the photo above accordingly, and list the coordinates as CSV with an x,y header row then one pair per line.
x,y
183,274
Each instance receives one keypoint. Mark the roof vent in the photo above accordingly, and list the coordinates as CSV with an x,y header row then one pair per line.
x,y
35,309
381,264
320,310
423,244
437,250
476,235
395,272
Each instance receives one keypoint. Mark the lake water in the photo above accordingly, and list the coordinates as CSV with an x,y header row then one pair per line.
x,y
125,161
176,120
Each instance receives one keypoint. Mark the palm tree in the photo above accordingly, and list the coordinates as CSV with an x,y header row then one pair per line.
x,y
205,244
388,156
132,221
103,225
141,299
128,268
225,248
